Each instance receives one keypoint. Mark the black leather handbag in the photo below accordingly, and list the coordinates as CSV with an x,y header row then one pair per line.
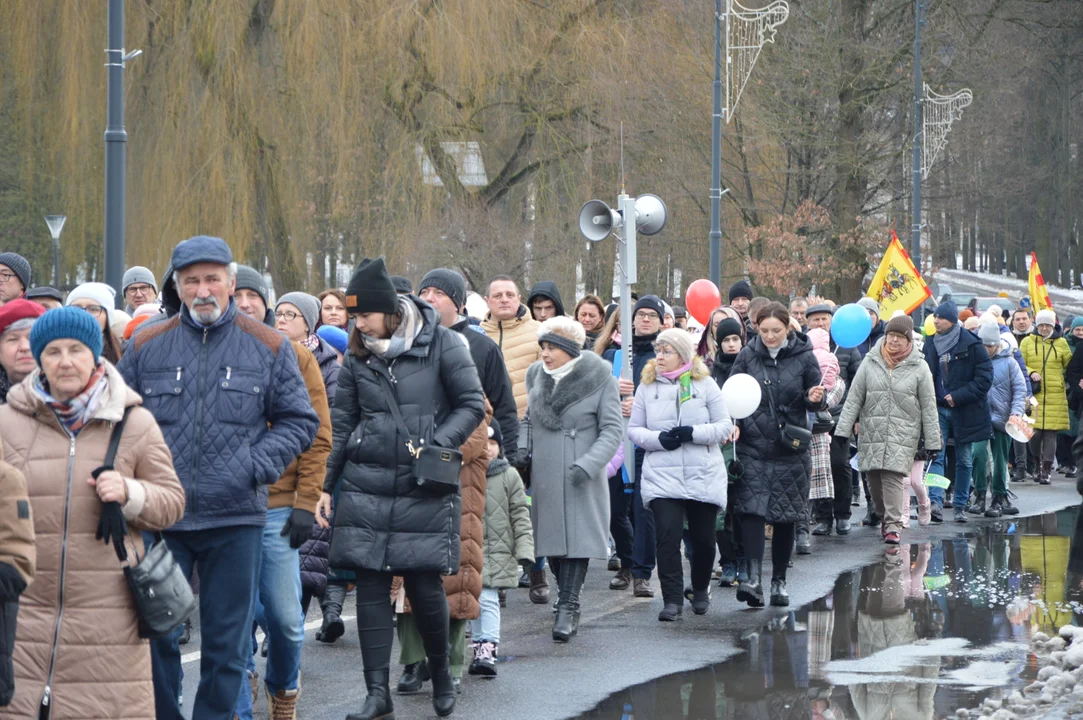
x,y
823,422
792,438
163,597
436,469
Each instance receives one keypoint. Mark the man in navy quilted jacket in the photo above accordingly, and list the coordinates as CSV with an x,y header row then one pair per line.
x,y
235,412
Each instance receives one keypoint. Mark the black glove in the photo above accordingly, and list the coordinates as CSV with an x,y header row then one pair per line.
x,y
112,527
577,475
683,433
735,470
928,455
520,460
668,441
11,583
298,527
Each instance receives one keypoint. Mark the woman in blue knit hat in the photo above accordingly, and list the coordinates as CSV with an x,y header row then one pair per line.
x,y
57,427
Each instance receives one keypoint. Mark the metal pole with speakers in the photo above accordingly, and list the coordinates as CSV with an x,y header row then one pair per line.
x,y
645,214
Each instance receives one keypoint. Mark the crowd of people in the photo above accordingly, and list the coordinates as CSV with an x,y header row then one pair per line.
x,y
379,440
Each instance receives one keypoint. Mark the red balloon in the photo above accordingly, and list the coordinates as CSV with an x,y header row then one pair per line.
x,y
701,299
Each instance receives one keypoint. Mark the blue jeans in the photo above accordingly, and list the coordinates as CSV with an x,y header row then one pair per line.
x,y
964,464
277,610
229,560
643,540
486,628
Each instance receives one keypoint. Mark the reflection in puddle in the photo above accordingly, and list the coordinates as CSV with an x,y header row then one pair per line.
x,y
933,628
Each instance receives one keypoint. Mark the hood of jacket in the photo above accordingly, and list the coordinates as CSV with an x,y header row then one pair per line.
x,y
548,400
651,374
546,289
171,302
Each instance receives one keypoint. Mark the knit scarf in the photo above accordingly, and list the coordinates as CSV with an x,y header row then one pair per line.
x,y
893,359
312,342
561,372
684,373
946,342
403,338
76,412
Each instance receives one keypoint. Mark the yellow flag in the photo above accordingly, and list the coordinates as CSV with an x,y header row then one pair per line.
x,y
897,284
1039,296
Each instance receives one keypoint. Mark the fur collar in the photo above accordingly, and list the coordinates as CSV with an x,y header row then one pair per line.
x,y
590,375
496,467
650,372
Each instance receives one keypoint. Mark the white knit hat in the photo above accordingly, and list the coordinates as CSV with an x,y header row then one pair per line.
x,y
1045,317
100,293
680,340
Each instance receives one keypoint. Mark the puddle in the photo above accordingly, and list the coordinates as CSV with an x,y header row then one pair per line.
x,y
937,627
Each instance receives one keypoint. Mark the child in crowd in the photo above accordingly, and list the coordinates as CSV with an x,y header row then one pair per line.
x,y
509,544
729,339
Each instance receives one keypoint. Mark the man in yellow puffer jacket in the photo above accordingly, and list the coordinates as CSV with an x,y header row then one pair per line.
x,y
1046,354
511,327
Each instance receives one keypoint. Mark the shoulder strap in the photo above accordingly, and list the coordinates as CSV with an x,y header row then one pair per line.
x,y
396,411
114,441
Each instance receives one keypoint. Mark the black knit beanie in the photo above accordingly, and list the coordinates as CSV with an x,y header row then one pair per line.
x,y
741,288
370,289
446,281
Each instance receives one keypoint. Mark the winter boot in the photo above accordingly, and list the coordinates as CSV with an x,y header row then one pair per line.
x,y
779,596
283,704
978,506
742,570
413,677
572,574
801,541
822,528
378,703
331,605
751,591
1006,507
484,663
1045,474
728,578
994,510
443,687
701,600
871,518
539,587
670,612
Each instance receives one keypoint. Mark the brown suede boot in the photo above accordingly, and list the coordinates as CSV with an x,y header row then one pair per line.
x,y
539,587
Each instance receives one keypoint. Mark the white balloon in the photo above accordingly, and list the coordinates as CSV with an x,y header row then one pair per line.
x,y
742,395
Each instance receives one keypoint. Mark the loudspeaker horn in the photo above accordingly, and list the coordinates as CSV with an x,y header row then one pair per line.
x,y
650,214
596,220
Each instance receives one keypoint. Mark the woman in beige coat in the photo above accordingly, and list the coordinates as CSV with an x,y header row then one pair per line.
x,y
77,647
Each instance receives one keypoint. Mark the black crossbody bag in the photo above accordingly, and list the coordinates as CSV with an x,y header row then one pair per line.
x,y
792,438
163,597
436,469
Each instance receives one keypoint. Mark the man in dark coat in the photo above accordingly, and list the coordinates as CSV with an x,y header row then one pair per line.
x,y
962,373
445,290
544,301
836,510
234,410
647,318
740,299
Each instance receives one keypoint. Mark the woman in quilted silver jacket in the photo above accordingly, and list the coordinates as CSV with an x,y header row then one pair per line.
x,y
679,418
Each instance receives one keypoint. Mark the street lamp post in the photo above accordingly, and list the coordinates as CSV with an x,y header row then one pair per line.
x,y
915,242
116,140
56,224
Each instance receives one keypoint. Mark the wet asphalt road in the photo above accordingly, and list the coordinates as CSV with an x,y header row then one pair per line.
x,y
621,643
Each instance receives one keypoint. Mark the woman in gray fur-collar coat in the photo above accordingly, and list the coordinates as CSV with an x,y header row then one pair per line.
x,y
572,428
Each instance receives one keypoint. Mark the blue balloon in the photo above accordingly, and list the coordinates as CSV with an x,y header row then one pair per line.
x,y
851,325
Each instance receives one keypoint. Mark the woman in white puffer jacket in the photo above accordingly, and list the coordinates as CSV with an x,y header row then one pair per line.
x,y
679,418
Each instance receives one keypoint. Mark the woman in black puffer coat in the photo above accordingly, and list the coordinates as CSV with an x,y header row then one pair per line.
x,y
384,524
775,482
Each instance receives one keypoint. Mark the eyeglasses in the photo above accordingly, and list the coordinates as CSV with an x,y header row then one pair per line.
x,y
6,276
664,351
647,315
286,315
95,310
139,289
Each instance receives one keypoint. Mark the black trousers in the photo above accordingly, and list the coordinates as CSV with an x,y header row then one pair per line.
x,y
669,516
752,527
838,508
730,542
375,614
620,525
